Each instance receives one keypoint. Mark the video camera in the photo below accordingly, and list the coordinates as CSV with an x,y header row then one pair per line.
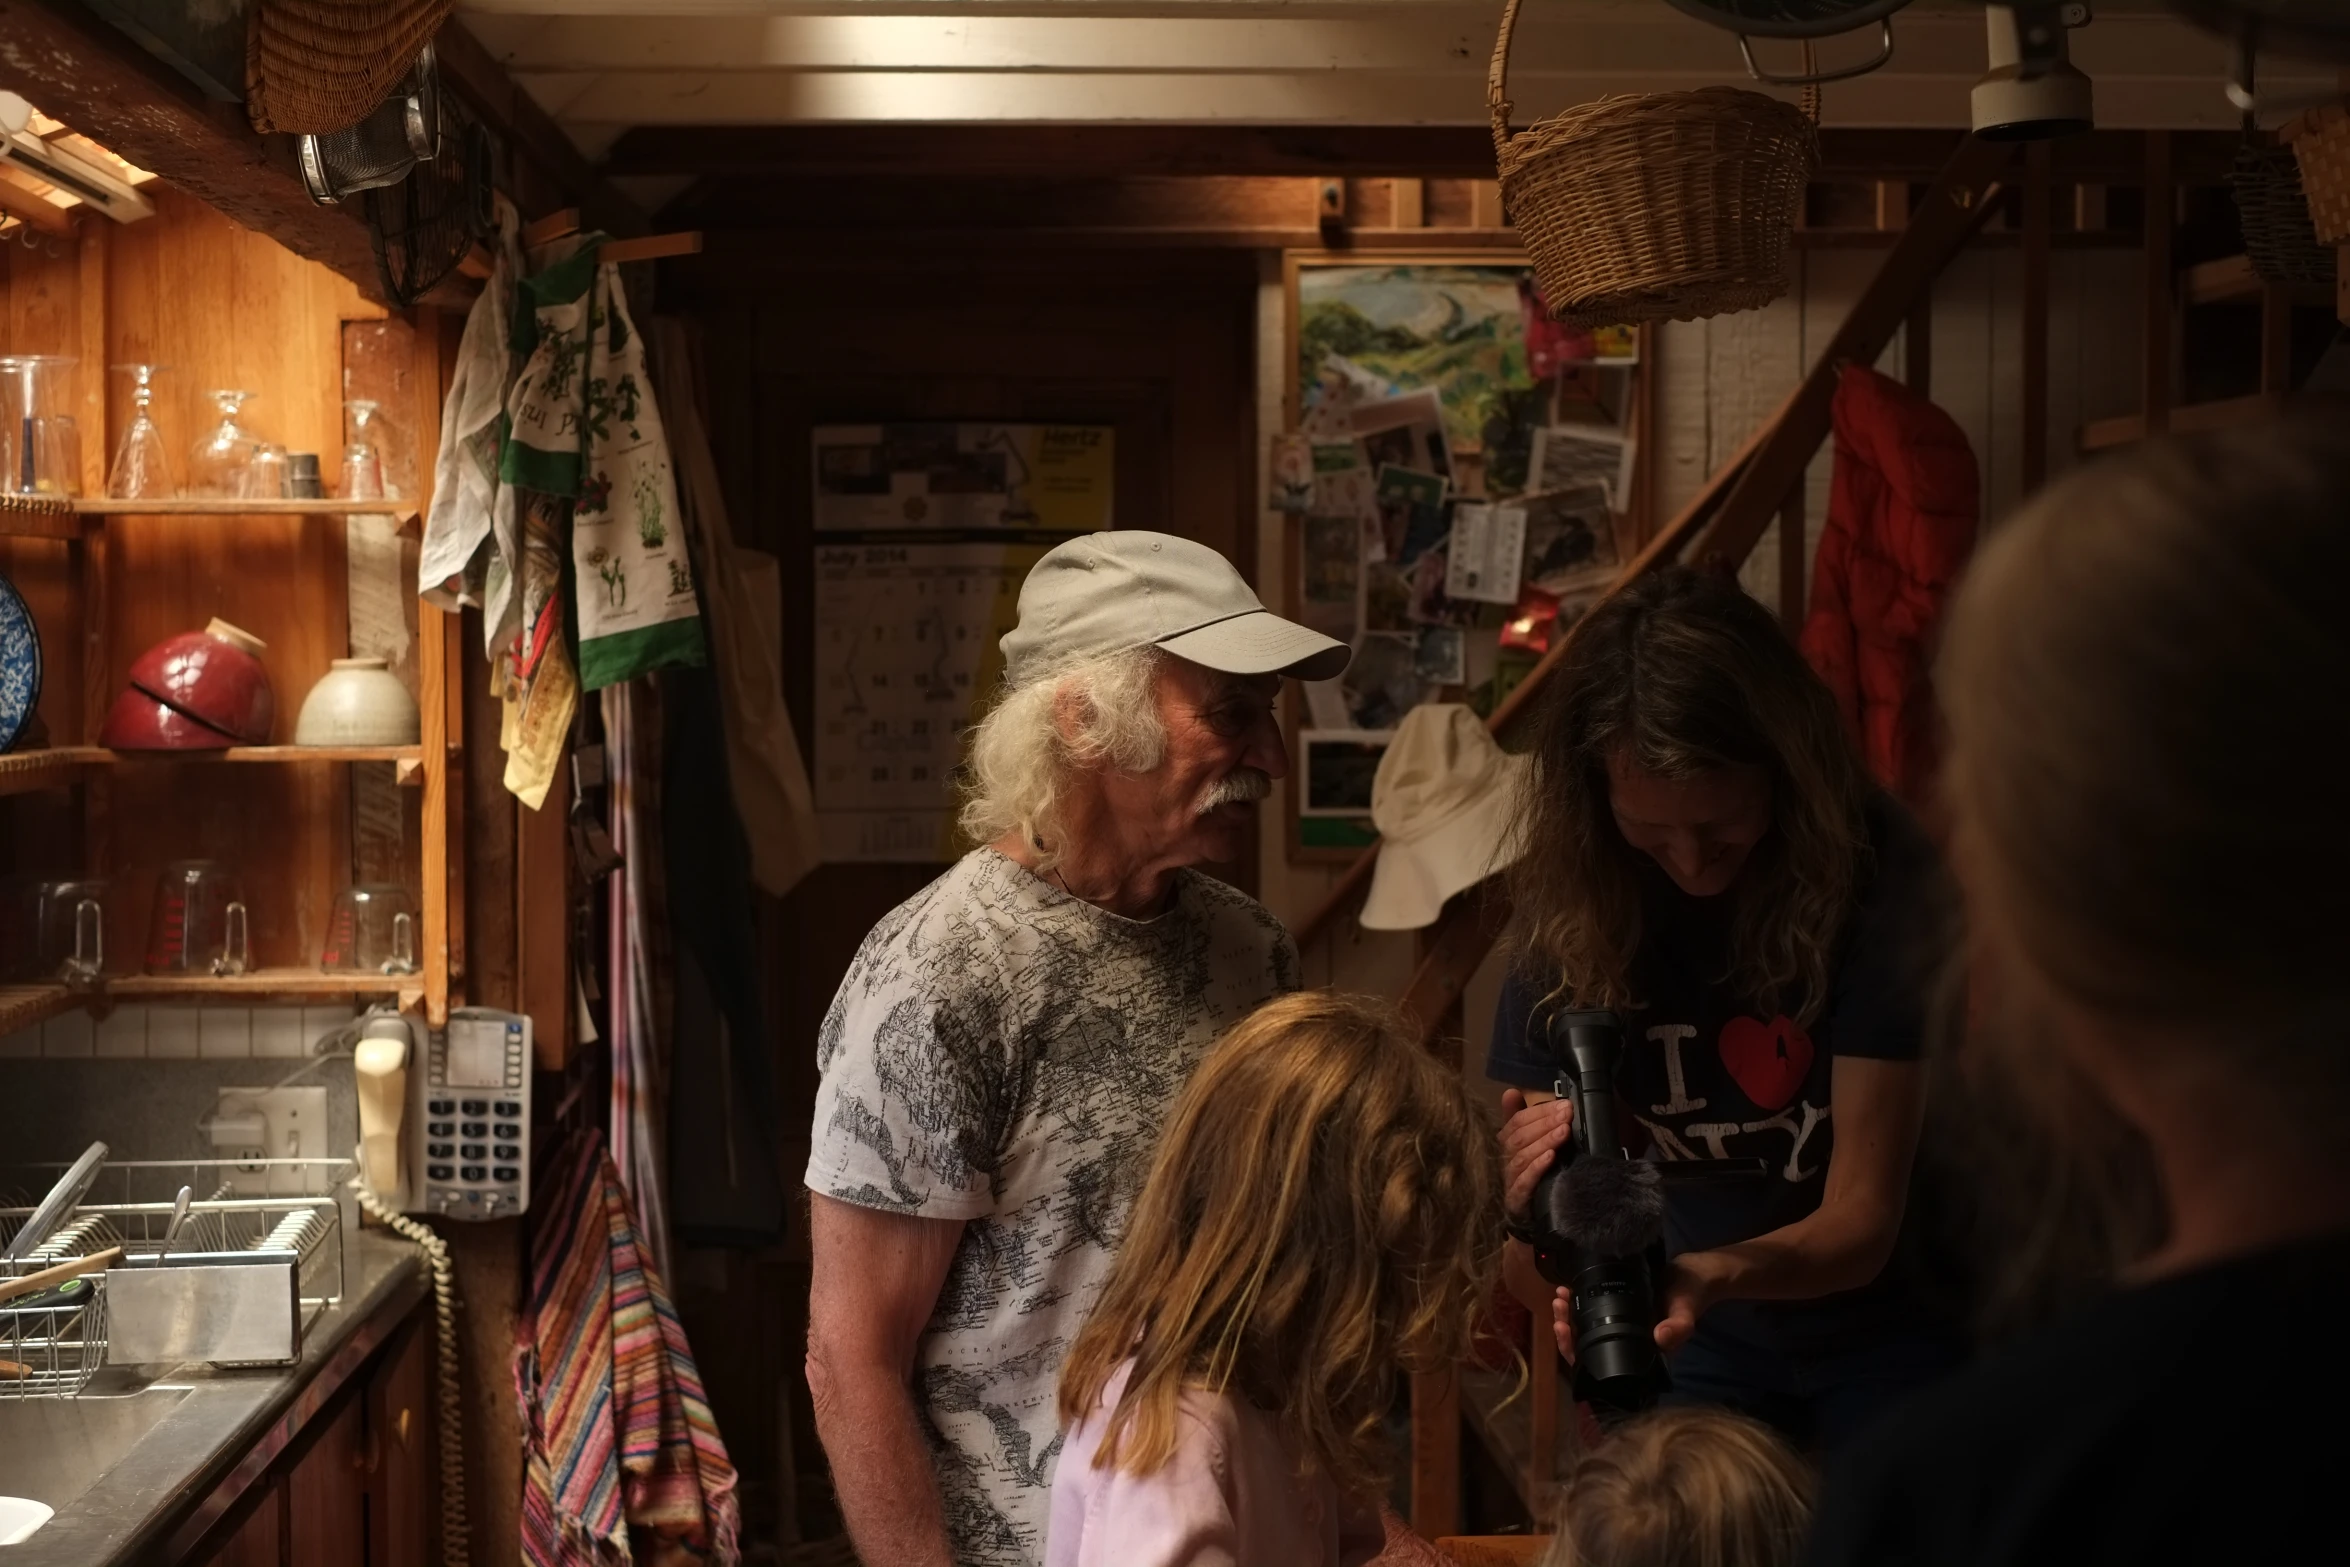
x,y
1598,1221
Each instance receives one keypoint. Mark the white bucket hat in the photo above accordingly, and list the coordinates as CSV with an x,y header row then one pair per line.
x,y
1446,802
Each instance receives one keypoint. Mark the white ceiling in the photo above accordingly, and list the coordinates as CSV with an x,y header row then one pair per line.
x,y
602,66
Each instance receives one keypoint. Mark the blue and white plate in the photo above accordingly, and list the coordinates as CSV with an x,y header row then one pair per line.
x,y
20,664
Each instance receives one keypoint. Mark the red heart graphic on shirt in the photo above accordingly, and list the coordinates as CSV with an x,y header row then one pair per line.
x,y
1767,1060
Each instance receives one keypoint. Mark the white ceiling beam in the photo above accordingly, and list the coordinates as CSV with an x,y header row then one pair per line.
x,y
595,107
1421,38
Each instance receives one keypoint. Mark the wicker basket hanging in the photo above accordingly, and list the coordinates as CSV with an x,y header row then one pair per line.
x,y
314,66
1653,206
2321,142
2266,181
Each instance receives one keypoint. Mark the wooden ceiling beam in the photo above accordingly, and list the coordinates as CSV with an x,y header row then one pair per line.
x,y
97,81
1408,151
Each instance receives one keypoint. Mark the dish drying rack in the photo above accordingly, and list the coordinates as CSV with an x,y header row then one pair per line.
x,y
242,1205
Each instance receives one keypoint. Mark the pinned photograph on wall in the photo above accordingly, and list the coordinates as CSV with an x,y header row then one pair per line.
x,y
1458,331
1325,704
1431,605
1290,485
1570,538
1570,457
1330,576
1330,399
1487,553
1387,597
1336,767
1406,431
1442,656
1383,682
1531,619
1411,512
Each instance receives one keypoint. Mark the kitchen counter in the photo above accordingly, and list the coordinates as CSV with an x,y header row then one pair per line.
x,y
222,1429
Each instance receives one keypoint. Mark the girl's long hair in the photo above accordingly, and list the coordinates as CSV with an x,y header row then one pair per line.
x,y
1686,675
1323,1210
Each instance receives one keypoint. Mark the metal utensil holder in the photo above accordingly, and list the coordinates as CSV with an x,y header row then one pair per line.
x,y
254,1208
50,1351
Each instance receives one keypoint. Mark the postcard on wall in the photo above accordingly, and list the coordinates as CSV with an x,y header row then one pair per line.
x,y
1570,538
1330,579
1325,704
1487,553
1407,431
1290,473
1338,767
1411,512
1570,457
1441,658
1383,682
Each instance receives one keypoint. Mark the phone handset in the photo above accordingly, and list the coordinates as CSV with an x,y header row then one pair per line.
x,y
382,1061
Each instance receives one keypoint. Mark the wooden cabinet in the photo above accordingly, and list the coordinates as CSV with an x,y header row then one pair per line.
x,y
357,1487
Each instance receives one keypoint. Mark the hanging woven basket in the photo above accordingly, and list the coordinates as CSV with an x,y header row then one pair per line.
x,y
315,66
1653,206
2266,181
2320,140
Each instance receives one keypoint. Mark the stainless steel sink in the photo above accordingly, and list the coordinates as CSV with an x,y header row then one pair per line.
x,y
54,1450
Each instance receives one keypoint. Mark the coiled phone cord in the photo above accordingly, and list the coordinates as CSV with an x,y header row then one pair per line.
x,y
456,1536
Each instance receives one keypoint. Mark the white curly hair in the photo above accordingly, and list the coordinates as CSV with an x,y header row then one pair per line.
x,y
1020,758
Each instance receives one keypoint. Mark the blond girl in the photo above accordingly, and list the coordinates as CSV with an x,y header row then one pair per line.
x,y
1322,1214
1690,1487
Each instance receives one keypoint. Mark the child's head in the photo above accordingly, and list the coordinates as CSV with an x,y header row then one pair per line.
x,y
1685,1488
1323,1209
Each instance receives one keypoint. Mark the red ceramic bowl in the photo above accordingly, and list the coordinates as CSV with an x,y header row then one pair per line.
x,y
213,676
138,722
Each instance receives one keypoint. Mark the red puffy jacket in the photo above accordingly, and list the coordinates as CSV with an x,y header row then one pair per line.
x,y
1902,514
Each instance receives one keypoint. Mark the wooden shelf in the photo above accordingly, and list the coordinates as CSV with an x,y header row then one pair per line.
x,y
286,984
29,1006
66,765
62,524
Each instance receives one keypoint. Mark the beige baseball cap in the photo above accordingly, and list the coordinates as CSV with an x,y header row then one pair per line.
x,y
1122,589
1446,801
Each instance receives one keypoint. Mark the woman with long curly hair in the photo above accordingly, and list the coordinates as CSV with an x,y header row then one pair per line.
x,y
1705,855
1322,1213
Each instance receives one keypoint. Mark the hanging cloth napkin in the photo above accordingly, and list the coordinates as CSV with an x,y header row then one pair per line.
x,y
586,430
469,550
618,1438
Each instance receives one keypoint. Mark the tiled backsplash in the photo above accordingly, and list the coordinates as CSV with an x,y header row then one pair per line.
x,y
164,1033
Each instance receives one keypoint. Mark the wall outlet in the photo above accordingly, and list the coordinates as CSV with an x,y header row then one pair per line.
x,y
253,1124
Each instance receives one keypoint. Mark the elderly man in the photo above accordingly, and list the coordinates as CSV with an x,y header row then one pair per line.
x,y
999,1059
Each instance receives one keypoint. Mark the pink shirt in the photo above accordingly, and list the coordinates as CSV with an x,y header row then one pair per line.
x,y
1230,1496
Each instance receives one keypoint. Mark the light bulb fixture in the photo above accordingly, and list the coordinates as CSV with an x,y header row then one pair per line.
x,y
2033,91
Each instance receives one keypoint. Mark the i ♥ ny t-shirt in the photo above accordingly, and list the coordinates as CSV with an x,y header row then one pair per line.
x,y
1708,1075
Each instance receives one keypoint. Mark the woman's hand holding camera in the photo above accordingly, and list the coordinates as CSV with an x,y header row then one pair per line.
x,y
1530,1141
1692,1283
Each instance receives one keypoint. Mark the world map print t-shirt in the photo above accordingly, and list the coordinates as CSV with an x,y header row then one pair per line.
x,y
1004,1054
1708,1075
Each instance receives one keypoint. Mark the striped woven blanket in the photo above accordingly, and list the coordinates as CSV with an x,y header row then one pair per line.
x,y
622,1461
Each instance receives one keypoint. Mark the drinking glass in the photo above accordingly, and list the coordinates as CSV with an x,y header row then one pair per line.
x,y
200,924
216,468
39,451
264,474
372,931
363,474
142,464
372,428
73,930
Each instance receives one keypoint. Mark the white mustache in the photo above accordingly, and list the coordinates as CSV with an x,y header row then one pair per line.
x,y
1241,786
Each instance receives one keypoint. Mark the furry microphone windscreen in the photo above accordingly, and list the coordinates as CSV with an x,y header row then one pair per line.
x,y
1609,1207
